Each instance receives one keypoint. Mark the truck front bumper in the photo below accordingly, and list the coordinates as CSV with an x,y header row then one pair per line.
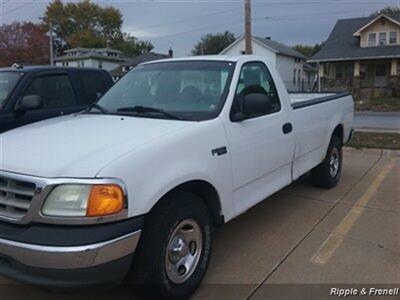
x,y
101,262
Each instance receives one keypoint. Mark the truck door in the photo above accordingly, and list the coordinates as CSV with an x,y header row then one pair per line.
x,y
261,145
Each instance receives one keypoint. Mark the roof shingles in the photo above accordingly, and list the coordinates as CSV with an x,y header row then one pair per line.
x,y
343,45
279,48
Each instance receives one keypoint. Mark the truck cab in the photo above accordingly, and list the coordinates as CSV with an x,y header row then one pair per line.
x,y
31,94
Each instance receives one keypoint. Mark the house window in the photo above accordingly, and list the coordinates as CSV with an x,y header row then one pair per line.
x,y
339,72
294,76
344,71
363,72
393,38
299,76
382,38
327,69
381,70
372,39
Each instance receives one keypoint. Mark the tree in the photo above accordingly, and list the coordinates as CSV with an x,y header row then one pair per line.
x,y
388,10
306,50
86,24
23,43
131,46
213,43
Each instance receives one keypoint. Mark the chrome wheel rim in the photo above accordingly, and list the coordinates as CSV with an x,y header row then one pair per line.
x,y
334,163
183,251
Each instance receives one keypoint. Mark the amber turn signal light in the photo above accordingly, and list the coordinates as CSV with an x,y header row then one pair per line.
x,y
105,200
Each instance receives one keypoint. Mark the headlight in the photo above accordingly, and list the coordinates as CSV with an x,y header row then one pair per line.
x,y
74,200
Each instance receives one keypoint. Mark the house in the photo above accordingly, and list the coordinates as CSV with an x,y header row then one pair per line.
x,y
362,56
102,58
130,63
291,65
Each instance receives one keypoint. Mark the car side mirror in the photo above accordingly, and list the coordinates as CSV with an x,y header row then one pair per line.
x,y
256,104
253,104
30,102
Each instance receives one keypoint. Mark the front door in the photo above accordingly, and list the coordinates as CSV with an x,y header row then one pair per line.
x,y
381,75
261,152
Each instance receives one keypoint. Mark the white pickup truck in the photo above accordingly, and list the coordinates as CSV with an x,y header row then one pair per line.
x,y
133,186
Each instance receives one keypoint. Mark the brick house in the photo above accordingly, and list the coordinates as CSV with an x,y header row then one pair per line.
x,y
362,55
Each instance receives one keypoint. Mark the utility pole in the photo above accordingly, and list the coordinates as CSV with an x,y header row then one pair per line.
x,y
247,24
51,44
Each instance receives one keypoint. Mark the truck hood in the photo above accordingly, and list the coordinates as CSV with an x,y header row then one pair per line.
x,y
78,145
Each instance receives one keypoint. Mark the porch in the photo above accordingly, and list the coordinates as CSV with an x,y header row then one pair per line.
x,y
364,78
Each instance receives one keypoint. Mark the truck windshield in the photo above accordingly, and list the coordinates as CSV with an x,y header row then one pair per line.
x,y
188,90
8,80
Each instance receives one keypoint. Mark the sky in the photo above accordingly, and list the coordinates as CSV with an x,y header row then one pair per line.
x,y
179,24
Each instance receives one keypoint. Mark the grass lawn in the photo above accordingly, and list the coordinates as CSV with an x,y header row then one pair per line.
x,y
381,105
375,140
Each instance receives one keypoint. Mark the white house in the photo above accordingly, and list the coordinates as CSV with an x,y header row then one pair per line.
x,y
291,65
102,58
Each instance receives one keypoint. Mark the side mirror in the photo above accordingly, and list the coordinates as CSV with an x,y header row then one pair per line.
x,y
30,102
256,104
253,104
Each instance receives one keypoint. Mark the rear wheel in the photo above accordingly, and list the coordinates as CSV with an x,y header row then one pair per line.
x,y
327,174
173,255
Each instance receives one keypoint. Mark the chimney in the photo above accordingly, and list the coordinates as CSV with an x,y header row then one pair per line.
x,y
170,53
268,38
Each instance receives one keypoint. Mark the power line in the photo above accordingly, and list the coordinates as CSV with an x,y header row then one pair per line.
x,y
17,8
187,19
238,22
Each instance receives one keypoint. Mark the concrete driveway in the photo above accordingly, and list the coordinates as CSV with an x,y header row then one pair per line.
x,y
377,121
300,242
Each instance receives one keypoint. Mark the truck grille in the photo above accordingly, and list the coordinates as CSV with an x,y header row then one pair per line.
x,y
15,197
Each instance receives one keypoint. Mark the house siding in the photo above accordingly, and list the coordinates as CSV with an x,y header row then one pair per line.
x,y
285,65
238,49
377,27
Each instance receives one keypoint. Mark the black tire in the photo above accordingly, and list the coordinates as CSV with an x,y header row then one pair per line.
x,y
149,274
323,175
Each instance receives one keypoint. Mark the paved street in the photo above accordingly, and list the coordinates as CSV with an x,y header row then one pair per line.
x,y
301,236
375,121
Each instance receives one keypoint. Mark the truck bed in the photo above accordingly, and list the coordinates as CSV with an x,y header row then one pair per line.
x,y
299,100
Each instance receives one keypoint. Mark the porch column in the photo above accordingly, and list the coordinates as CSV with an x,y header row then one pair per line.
x,y
357,68
356,81
393,69
320,75
321,70
394,79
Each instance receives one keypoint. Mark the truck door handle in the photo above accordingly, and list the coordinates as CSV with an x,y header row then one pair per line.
x,y
287,128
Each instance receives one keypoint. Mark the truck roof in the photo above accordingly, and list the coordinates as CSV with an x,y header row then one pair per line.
x,y
228,58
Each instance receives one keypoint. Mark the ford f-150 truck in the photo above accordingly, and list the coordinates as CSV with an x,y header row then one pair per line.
x,y
133,187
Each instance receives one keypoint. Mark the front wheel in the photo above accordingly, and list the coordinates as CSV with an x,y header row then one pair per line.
x,y
173,256
327,174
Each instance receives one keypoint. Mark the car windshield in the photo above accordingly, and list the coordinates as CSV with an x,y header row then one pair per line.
x,y
8,80
188,90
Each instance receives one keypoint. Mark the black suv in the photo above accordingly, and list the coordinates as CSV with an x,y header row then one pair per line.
x,y
31,94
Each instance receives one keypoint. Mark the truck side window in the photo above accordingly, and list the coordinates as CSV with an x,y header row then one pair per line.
x,y
255,78
92,83
54,90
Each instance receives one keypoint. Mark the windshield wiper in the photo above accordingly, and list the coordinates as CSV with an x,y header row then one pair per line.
x,y
146,109
98,107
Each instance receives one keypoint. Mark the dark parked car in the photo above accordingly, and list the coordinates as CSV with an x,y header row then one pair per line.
x,y
31,94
